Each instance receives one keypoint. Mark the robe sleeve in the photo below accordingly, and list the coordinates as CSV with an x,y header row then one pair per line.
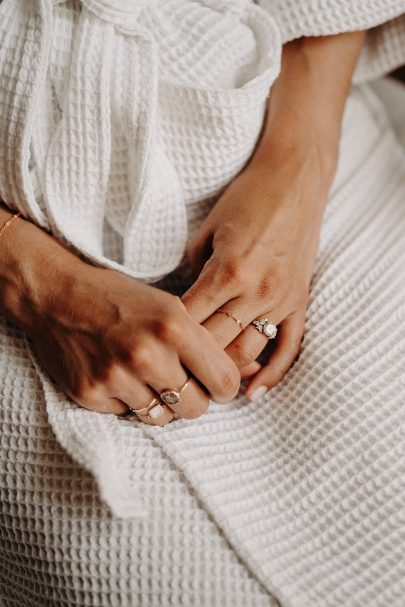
x,y
384,20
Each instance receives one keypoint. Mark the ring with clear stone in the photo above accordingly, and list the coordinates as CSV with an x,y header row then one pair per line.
x,y
173,397
265,326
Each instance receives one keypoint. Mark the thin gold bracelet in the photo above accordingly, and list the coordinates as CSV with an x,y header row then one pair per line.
x,y
8,222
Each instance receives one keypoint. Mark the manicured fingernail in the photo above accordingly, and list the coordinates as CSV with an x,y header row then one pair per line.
x,y
258,392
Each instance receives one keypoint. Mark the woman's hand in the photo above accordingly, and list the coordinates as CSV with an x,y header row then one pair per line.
x,y
107,340
254,254
257,248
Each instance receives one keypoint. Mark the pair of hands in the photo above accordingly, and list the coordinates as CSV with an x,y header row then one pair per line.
x,y
111,342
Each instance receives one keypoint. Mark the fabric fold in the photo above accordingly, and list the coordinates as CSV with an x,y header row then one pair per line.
x,y
96,442
309,478
78,159
25,44
140,152
383,50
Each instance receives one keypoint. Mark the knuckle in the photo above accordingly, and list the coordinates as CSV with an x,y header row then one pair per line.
x,y
266,288
232,271
142,358
114,378
273,286
168,327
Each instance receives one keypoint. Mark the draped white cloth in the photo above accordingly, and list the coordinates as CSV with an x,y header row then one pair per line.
x,y
120,123
141,108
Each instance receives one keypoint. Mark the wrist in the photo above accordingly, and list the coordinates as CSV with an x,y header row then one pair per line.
x,y
304,172
306,103
33,269
293,142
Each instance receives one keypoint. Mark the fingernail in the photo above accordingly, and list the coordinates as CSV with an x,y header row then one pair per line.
x,y
258,392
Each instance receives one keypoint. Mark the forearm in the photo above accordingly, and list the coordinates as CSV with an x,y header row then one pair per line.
x,y
306,104
31,266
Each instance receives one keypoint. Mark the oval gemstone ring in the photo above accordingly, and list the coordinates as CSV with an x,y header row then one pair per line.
x,y
265,326
172,397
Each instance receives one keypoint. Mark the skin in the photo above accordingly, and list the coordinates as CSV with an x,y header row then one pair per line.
x,y
110,341
254,254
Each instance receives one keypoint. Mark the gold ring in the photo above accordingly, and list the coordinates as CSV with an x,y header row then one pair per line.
x,y
235,318
173,397
265,326
153,409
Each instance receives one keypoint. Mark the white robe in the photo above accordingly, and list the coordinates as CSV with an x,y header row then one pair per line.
x,y
120,123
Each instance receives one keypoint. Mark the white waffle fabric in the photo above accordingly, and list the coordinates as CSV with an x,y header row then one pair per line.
x,y
120,123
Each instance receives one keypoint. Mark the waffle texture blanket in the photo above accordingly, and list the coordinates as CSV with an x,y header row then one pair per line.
x,y
120,124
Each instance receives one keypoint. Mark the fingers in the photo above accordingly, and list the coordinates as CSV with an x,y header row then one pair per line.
x,y
158,414
99,402
215,285
167,373
224,328
250,369
201,354
194,401
95,399
182,349
248,345
154,413
288,344
134,393
231,320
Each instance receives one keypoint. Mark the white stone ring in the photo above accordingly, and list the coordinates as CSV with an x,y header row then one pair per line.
x,y
153,410
265,326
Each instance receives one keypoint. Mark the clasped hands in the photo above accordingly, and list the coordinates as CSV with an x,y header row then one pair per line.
x,y
112,342
116,343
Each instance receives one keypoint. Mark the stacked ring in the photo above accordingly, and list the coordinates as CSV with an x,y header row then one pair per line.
x,y
265,326
153,410
230,315
173,397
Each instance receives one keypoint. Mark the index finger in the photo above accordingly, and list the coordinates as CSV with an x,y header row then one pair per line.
x,y
208,293
224,327
201,353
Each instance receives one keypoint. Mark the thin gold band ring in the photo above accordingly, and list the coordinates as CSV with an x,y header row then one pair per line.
x,y
234,318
